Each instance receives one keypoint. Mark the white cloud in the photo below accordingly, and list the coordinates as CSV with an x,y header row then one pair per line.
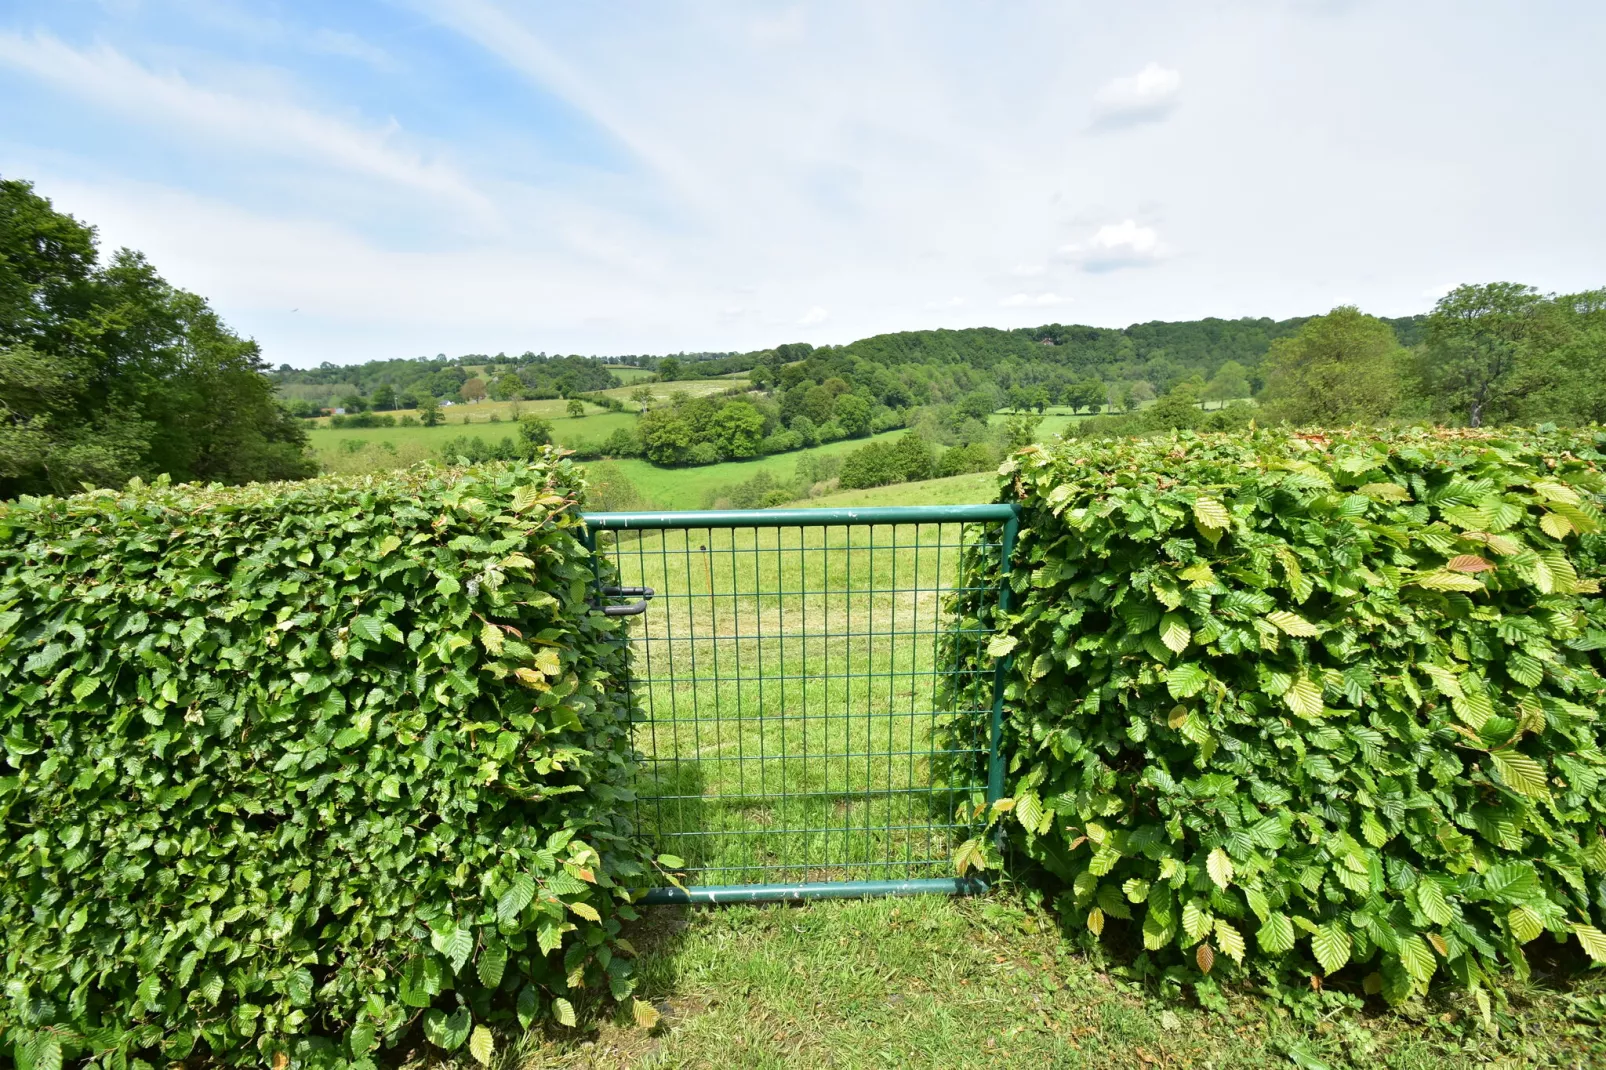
x,y
1433,293
1024,300
1028,271
947,303
1146,96
813,316
1118,245
273,127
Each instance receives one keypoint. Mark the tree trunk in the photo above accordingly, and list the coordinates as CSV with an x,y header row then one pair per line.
x,y
1475,417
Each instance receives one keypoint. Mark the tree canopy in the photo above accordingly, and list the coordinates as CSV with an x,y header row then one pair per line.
x,y
108,372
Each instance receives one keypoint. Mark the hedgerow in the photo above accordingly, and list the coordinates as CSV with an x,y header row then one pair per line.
x,y
1276,698
290,768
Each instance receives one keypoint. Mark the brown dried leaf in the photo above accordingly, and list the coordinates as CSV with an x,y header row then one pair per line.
x,y
1468,563
1205,957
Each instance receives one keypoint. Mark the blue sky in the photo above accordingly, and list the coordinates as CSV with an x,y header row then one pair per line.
x,y
373,179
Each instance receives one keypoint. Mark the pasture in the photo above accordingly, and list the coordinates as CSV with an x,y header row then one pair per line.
x,y
988,981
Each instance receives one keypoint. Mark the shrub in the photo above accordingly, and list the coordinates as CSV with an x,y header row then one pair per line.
x,y
289,766
975,457
1280,697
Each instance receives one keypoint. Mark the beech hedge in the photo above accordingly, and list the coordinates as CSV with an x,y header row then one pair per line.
x,y
1299,704
289,768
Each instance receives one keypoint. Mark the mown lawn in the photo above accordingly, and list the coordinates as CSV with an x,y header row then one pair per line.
x,y
991,982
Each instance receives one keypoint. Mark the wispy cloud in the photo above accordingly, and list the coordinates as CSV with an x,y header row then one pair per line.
x,y
1126,244
270,126
1025,300
1145,97
813,316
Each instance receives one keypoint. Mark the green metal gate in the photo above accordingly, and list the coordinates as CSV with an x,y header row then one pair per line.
x,y
814,722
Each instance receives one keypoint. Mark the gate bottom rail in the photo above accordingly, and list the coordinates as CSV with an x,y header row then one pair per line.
x,y
780,893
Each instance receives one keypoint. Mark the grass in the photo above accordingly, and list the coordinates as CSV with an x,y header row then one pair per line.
x,y
692,487
991,982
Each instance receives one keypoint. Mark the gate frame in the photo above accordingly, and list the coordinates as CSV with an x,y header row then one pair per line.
x,y
1006,513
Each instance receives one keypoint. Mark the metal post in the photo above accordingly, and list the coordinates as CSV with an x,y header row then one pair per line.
x,y
1001,666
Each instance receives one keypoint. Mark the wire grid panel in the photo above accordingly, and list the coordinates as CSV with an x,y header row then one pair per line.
x,y
795,684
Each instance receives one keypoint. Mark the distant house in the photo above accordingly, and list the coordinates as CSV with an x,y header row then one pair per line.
x,y
446,402
340,412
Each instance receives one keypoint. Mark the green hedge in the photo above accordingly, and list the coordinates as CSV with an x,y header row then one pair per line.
x,y
292,767
1279,698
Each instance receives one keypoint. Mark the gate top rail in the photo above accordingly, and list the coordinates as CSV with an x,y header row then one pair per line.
x,y
793,518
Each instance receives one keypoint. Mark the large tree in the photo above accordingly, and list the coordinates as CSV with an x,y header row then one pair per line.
x,y
1482,345
108,372
1342,368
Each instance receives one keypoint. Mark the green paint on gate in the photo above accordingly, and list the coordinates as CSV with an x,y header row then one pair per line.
x,y
813,722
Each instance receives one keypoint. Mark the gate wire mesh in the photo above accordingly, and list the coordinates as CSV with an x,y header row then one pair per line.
x,y
795,683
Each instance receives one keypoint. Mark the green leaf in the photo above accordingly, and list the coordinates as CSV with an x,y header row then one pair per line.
x,y
298,986
42,1052
563,1011
1276,934
1304,697
1174,633
1230,940
492,963
1195,920
482,1045
527,1007
1292,623
447,1030
1000,645
1219,866
1029,812
1331,946
1525,924
671,862
1592,940
1520,773
515,899
1186,680
1417,958
362,1038
1211,513
1430,899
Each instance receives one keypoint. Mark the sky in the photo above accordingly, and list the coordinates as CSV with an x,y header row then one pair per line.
x,y
396,178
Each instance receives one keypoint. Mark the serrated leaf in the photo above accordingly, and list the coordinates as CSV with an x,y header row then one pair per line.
x,y
1292,624
586,911
1331,946
1304,697
1418,961
1000,645
1135,889
645,1014
1520,773
1231,941
447,1031
1211,513
527,1006
1186,680
515,899
1592,940
1276,934
1432,902
492,638
1095,921
563,1011
1174,633
1029,812
481,1045
1195,920
1468,563
1525,924
1219,866
492,963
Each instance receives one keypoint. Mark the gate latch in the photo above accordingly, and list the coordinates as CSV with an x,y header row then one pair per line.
x,y
640,594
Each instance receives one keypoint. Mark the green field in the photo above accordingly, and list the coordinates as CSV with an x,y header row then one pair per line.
x,y
829,771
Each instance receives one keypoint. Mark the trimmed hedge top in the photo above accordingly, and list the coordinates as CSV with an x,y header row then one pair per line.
x,y
288,767
1281,698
